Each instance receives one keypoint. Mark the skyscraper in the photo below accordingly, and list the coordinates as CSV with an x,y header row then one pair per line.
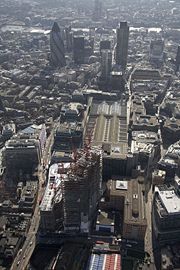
x,y
69,38
157,50
105,45
122,45
106,64
78,49
97,10
178,59
57,47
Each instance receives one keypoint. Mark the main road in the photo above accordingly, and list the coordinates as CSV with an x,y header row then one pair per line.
x,y
22,259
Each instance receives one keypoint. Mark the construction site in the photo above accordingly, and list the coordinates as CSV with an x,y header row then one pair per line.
x,y
73,192
81,188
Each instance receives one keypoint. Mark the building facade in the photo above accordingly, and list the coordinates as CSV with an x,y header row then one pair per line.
x,y
57,47
122,45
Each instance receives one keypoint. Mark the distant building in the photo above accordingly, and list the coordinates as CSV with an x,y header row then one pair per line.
x,y
146,74
78,49
69,38
156,51
106,64
177,63
97,10
105,45
57,47
122,45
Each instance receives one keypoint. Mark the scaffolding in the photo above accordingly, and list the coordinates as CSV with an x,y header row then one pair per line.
x,y
81,190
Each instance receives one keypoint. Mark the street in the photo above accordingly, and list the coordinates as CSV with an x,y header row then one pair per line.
x,y
22,259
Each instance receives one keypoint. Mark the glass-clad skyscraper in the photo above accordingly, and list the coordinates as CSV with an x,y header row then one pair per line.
x,y
57,47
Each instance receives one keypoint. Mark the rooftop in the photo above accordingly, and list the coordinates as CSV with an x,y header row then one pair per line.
x,y
105,261
169,199
107,124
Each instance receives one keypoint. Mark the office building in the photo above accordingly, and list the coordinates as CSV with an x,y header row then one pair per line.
x,y
68,136
69,39
135,222
57,47
156,51
117,83
166,214
97,10
22,155
38,132
177,63
127,197
122,45
78,49
170,161
145,145
81,191
105,45
106,64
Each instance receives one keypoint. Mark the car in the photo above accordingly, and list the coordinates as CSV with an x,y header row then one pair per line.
x,y
24,257
18,263
30,243
20,251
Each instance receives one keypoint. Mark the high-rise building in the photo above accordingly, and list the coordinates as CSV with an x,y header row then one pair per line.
x,y
105,45
106,64
97,10
178,58
122,45
156,50
57,47
69,38
81,191
78,49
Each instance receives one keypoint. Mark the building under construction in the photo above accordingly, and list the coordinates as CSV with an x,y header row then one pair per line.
x,y
81,190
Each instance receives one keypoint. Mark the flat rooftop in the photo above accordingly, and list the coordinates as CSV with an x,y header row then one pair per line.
x,y
169,199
